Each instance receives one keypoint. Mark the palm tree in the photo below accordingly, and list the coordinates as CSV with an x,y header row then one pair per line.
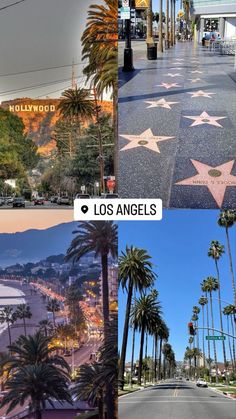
x,y
216,250
46,327
145,313
190,341
7,316
227,312
210,284
36,384
203,301
100,49
196,311
99,237
204,289
53,306
160,26
135,273
23,312
226,219
172,22
167,24
35,349
163,334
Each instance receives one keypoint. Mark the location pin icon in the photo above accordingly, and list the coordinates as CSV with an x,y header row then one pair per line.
x,y
84,209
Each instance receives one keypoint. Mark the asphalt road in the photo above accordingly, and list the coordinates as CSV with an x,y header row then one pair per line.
x,y
176,400
82,356
30,205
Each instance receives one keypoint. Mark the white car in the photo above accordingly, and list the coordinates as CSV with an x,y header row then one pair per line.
x,y
201,383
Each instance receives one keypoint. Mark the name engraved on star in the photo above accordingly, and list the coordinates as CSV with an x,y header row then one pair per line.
x,y
32,108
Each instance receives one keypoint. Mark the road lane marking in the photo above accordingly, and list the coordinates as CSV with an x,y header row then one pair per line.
x,y
178,401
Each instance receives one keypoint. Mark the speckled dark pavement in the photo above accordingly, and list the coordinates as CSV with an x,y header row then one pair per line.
x,y
177,128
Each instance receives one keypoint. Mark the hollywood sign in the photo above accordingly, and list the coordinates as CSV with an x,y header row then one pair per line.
x,y
32,108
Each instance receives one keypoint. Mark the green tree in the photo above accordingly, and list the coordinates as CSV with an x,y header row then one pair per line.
x,y
7,316
36,384
216,251
23,312
210,285
46,327
163,334
228,311
146,312
203,301
53,306
135,273
227,219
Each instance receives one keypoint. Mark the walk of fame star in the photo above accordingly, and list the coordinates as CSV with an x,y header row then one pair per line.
x,y
215,178
173,75
146,139
201,93
196,71
204,118
162,103
176,68
168,85
194,80
179,59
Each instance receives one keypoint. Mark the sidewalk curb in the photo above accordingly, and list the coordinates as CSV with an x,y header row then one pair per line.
x,y
222,393
138,389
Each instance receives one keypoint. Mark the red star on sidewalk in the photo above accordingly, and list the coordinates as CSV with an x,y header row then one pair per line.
x,y
146,139
204,118
215,178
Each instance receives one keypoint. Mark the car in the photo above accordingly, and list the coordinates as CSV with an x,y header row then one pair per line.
x,y
54,199
187,379
9,200
39,200
63,200
110,196
201,383
82,196
2,202
18,202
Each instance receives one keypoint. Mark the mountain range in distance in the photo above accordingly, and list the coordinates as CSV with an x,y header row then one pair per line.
x,y
34,245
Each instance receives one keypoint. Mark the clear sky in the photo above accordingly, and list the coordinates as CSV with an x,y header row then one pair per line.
x,y
12,221
39,34
178,245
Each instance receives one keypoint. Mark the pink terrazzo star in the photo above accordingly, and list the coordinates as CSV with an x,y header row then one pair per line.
x,y
146,139
215,178
204,118
168,85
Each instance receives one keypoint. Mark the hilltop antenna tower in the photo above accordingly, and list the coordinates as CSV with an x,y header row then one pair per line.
x,y
73,78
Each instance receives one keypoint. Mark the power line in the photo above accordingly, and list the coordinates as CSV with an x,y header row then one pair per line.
x,y
38,69
12,4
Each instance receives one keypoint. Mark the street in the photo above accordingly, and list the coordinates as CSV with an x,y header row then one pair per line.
x,y
30,205
177,127
174,399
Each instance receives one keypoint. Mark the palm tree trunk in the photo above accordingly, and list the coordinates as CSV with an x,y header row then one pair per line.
x,y
115,131
160,28
208,332
203,336
105,294
9,332
146,348
231,265
167,24
174,38
125,337
100,408
132,358
149,23
232,326
99,134
141,356
214,343
24,325
171,23
155,359
221,320
229,342
159,364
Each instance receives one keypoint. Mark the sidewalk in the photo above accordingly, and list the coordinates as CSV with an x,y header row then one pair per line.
x,y
177,128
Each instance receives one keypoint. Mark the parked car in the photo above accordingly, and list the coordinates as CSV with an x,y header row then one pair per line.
x,y
63,200
39,200
18,202
54,199
201,383
82,196
110,196
2,202
9,200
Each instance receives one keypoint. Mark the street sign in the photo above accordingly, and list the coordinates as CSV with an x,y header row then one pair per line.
x,y
215,337
125,13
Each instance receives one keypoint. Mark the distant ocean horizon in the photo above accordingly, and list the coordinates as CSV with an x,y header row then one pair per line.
x,y
6,291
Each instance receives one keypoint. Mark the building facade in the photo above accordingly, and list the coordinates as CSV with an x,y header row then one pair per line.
x,y
215,15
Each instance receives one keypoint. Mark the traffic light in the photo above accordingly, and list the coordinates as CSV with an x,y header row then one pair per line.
x,y
191,329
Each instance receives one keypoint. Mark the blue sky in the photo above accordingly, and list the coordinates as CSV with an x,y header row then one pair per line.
x,y
178,245
156,5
